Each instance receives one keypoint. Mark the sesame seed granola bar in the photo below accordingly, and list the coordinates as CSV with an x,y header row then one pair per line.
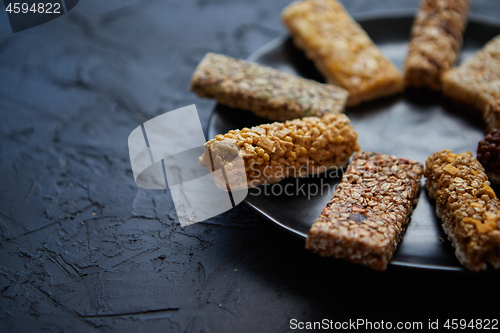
x,y
468,207
436,38
271,152
341,50
265,91
476,83
368,213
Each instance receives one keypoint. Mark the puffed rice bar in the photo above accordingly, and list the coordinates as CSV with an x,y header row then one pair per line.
x,y
436,38
263,90
468,207
341,50
368,213
271,152
476,83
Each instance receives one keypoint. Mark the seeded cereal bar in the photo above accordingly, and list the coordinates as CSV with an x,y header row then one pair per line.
x,y
468,207
436,38
341,50
369,211
271,152
476,83
263,90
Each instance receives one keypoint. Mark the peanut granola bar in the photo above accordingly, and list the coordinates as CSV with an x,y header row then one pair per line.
x,y
367,216
341,50
476,83
271,152
436,38
468,207
263,90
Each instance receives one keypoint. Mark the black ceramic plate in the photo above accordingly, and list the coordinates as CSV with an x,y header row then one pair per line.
x,y
413,125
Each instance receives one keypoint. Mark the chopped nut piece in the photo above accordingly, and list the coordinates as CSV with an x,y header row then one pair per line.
x,y
436,38
481,227
341,50
469,214
450,169
475,83
380,222
295,158
263,90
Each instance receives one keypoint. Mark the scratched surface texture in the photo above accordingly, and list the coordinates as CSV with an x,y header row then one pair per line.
x,y
83,249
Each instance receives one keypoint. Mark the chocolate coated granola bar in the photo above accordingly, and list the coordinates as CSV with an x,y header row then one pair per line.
x,y
488,154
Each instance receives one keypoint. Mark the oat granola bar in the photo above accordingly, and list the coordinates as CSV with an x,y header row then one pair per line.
x,y
488,154
468,207
341,50
263,90
436,38
368,213
476,83
271,152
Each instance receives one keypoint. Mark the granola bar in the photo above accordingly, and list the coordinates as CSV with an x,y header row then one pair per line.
x,y
488,154
263,90
476,83
436,38
271,152
369,211
468,207
341,50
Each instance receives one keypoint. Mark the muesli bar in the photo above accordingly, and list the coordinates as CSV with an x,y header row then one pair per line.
x,y
476,83
435,42
368,213
296,148
265,91
468,207
341,50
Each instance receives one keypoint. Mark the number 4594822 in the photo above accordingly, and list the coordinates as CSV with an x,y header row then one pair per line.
x,y
40,8
480,324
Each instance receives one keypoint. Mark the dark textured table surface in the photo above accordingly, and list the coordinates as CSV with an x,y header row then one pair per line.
x,y
82,248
